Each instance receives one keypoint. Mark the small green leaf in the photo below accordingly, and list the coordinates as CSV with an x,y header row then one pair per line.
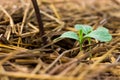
x,y
69,34
102,29
100,34
85,28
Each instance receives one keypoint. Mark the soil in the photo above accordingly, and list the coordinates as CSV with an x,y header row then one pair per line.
x,y
25,56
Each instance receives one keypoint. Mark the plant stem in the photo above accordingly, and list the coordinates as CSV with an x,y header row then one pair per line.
x,y
89,42
80,34
80,47
39,20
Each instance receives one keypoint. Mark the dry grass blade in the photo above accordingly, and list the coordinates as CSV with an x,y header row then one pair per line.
x,y
2,70
7,35
55,11
82,75
24,56
37,68
35,76
11,54
55,61
23,23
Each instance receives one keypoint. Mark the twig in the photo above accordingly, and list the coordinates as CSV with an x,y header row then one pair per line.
x,y
39,19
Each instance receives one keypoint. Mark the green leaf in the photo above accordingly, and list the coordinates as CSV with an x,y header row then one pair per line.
x,y
103,29
85,28
101,34
69,34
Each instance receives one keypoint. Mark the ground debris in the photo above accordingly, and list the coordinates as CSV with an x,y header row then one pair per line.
x,y
23,56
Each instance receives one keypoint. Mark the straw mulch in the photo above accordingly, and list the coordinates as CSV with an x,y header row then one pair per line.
x,y
24,56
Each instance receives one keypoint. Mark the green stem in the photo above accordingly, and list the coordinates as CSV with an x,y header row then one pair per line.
x,y
89,42
80,47
80,34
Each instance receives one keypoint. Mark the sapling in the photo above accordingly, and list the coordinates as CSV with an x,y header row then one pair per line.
x,y
86,32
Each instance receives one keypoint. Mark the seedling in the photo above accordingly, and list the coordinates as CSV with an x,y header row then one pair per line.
x,y
85,32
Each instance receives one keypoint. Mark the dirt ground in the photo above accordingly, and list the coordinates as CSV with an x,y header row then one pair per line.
x,y
25,56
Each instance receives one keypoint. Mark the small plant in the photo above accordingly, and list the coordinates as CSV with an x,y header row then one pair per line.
x,y
85,32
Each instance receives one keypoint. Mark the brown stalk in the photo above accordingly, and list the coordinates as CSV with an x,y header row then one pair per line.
x,y
39,20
